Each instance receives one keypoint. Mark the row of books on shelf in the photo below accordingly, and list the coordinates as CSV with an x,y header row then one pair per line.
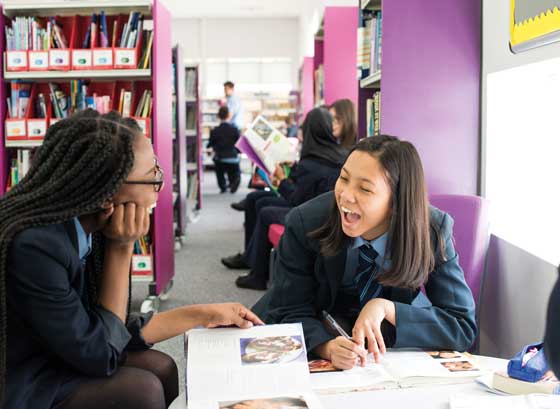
x,y
32,107
191,117
190,83
19,166
373,114
78,43
192,187
369,43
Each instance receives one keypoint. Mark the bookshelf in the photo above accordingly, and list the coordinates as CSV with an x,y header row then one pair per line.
x,y
179,147
194,141
432,104
157,79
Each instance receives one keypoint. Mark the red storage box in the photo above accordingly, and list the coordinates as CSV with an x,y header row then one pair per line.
x,y
16,60
82,59
38,60
16,129
37,127
142,266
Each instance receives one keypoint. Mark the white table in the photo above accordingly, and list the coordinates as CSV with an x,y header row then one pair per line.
x,y
421,397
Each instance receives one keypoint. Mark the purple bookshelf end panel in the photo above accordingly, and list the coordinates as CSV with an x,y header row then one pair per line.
x,y
340,53
163,144
430,89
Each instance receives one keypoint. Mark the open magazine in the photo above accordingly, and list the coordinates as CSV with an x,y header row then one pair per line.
x,y
260,367
397,369
266,146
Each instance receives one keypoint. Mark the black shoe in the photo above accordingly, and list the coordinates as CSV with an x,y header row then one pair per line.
x,y
239,205
224,190
251,282
236,262
234,185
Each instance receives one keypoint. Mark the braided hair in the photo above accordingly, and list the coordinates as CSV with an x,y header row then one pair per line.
x,y
81,164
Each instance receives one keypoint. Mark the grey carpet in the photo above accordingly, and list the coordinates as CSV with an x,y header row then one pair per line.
x,y
200,277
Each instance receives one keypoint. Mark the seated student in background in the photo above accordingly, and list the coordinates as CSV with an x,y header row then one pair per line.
x,y
226,156
552,336
362,253
315,173
67,232
344,129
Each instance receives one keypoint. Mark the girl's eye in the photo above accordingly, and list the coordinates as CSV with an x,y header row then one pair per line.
x,y
343,178
365,190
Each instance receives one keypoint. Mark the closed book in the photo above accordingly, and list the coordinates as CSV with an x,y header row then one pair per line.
x,y
548,385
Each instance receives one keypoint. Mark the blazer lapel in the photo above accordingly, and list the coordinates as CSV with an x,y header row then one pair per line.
x,y
70,228
334,270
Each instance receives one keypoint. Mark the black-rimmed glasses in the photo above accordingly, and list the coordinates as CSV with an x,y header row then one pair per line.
x,y
157,183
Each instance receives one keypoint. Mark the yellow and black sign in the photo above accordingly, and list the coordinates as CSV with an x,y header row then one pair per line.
x,y
534,23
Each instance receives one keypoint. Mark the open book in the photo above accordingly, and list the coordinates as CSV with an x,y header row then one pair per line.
x,y
260,367
398,369
266,146
501,383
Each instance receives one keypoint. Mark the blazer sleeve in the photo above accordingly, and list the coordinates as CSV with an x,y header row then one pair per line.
x,y
212,140
39,290
449,322
291,298
302,187
552,336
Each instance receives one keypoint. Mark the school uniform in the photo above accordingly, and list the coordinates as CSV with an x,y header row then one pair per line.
x,y
56,338
306,283
552,336
226,157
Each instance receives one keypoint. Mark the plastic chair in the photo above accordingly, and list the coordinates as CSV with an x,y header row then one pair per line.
x,y
471,235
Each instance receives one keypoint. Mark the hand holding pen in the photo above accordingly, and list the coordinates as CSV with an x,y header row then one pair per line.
x,y
342,351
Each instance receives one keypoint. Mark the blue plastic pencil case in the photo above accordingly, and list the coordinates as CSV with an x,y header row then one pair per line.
x,y
534,369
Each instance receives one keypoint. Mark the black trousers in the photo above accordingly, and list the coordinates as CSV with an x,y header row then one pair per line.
x,y
255,201
230,169
258,250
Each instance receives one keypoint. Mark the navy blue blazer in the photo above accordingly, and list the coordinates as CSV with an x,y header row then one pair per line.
x,y
310,177
55,339
305,283
552,336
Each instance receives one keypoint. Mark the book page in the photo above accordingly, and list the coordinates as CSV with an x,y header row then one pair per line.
x,y
228,364
371,377
448,366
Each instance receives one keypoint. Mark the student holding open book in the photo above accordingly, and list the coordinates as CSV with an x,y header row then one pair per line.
x,y
67,232
362,253
315,173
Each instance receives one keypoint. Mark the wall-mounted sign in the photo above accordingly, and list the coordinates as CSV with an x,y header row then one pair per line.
x,y
534,23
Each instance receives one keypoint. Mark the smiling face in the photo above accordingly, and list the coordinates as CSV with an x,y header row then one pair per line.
x,y
363,197
144,170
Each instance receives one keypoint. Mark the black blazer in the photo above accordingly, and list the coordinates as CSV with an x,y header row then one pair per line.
x,y
305,283
223,139
55,340
552,336
309,178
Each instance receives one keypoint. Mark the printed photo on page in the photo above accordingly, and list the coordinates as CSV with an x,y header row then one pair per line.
x,y
233,366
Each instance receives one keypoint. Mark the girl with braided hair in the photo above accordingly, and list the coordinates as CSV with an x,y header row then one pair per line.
x,y
66,237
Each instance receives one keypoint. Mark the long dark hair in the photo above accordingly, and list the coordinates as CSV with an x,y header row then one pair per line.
x,y
410,247
81,164
346,113
318,139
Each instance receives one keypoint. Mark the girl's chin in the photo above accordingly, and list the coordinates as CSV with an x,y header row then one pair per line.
x,y
350,231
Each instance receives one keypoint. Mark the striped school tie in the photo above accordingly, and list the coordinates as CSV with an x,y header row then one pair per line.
x,y
366,274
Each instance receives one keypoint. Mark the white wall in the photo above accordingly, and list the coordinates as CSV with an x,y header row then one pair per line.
x,y
239,38
518,284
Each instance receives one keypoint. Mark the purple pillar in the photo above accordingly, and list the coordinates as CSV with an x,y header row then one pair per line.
x,y
164,260
430,86
340,53
307,85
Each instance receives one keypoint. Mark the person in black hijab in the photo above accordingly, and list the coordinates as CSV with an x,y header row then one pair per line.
x,y
315,173
552,335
